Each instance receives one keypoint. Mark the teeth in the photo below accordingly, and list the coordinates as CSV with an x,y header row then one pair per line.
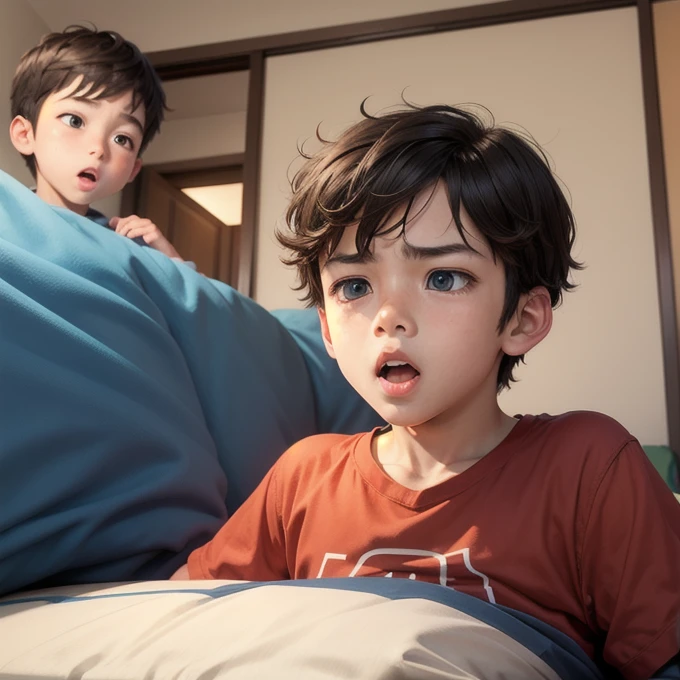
x,y
395,363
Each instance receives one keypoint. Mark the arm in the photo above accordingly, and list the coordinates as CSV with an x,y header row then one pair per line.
x,y
251,545
182,574
630,564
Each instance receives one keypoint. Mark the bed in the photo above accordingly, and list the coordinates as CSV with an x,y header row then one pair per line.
x,y
330,628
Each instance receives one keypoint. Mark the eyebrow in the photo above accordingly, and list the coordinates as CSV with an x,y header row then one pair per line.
x,y
354,258
131,119
409,251
83,99
412,252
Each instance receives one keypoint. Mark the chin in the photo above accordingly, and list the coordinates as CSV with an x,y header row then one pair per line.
x,y
399,418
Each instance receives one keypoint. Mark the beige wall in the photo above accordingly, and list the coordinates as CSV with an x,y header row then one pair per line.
x,y
188,138
667,32
585,107
20,29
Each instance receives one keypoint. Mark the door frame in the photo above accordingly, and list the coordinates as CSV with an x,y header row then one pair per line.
x,y
223,169
216,167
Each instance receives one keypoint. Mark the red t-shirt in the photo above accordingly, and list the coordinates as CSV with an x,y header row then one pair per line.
x,y
565,520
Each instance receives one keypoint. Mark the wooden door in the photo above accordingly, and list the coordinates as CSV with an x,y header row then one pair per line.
x,y
196,233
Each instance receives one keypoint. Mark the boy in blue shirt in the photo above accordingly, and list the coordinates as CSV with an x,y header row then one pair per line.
x,y
85,104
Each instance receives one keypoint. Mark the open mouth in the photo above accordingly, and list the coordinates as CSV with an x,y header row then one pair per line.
x,y
88,175
397,372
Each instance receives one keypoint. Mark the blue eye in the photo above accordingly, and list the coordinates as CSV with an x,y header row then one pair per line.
x,y
446,281
353,289
71,120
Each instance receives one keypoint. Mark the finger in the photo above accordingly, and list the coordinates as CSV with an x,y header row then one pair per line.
x,y
132,224
144,231
121,222
122,225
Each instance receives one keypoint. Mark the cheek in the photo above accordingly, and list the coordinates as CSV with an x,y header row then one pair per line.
x,y
474,322
346,329
62,132
46,136
122,160
52,143
337,324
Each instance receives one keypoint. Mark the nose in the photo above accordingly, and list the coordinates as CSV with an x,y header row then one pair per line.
x,y
395,318
97,146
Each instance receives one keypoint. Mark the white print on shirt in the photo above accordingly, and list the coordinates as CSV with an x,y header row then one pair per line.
x,y
417,562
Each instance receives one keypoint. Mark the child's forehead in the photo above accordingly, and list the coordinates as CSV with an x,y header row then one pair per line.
x,y
426,222
81,89
77,87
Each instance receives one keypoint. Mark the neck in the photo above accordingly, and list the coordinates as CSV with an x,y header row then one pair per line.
x,y
424,455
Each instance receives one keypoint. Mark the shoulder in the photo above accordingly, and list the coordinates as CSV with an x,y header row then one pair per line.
x,y
322,442
307,470
318,452
579,445
587,429
581,456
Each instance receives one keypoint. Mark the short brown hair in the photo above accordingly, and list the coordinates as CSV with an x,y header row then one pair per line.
x,y
500,177
109,65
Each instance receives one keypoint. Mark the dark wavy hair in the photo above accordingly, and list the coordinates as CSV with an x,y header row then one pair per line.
x,y
109,65
500,177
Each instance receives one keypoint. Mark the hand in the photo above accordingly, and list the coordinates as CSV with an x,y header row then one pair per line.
x,y
182,574
134,226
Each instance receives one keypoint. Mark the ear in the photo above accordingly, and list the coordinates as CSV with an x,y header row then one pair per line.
x,y
325,333
22,135
530,323
135,170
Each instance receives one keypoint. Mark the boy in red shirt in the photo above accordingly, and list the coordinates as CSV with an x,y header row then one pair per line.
x,y
435,248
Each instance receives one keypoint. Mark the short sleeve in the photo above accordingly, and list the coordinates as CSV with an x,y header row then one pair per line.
x,y
251,544
630,565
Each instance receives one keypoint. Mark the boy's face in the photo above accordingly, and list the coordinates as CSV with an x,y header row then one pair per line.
x,y
84,149
415,326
